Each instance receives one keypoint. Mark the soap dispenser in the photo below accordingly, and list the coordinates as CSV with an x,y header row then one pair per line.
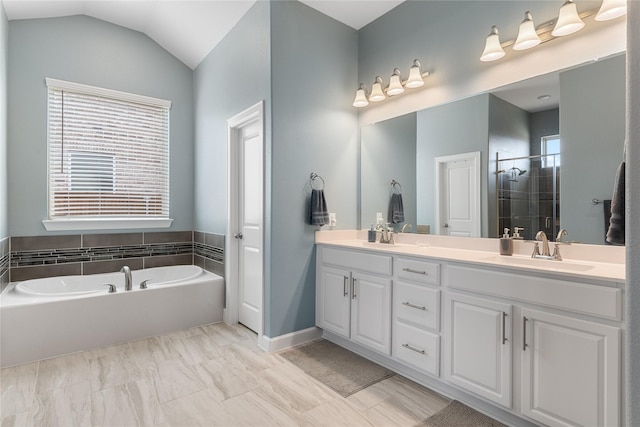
x,y
371,235
506,243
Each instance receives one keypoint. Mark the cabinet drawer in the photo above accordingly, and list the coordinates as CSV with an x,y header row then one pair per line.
x,y
417,305
418,348
354,260
417,270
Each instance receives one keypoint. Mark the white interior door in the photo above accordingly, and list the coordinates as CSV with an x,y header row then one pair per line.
x,y
458,195
246,220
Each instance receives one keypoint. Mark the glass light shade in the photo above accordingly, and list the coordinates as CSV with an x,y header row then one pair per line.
x,y
361,99
415,78
395,85
611,9
376,92
568,22
492,48
527,36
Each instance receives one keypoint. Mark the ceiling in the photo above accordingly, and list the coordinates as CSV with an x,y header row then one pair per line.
x,y
188,29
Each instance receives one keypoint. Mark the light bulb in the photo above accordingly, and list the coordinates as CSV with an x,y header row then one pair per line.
x,y
492,48
569,21
415,76
527,36
376,91
395,84
611,9
361,98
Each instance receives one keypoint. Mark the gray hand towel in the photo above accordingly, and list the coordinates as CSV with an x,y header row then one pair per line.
x,y
615,234
318,212
396,209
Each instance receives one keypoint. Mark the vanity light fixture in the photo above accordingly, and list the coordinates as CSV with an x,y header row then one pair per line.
x,y
377,94
568,21
611,9
527,36
415,75
492,48
396,86
361,97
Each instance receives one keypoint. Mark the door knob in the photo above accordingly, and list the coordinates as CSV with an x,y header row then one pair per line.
x,y
238,235
446,226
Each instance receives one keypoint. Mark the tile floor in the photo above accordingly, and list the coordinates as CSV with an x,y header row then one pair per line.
x,y
214,375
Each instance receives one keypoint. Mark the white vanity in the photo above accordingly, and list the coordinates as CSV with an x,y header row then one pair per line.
x,y
526,341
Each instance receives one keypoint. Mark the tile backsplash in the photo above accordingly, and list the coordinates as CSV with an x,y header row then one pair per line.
x,y
45,256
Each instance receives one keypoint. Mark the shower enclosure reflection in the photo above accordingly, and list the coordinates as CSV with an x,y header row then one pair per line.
x,y
528,190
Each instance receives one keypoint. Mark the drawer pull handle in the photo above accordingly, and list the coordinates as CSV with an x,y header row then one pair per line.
x,y
410,270
408,304
417,350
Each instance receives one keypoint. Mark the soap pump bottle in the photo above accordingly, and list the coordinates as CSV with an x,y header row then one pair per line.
x,y
506,243
371,235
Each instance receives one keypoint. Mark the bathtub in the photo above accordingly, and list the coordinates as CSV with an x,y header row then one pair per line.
x,y
43,318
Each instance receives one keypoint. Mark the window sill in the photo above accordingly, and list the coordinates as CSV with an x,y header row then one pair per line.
x,y
105,223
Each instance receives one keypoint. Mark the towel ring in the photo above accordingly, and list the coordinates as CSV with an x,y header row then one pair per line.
x,y
313,178
395,186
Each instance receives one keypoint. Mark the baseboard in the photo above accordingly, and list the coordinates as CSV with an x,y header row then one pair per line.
x,y
292,339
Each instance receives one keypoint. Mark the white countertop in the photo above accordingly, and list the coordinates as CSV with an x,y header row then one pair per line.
x,y
596,262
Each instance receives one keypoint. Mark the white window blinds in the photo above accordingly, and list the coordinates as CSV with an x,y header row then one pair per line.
x,y
108,153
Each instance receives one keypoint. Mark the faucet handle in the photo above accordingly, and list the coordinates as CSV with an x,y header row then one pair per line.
x,y
143,284
556,252
536,250
112,288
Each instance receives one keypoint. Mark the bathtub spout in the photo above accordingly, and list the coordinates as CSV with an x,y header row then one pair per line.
x,y
127,278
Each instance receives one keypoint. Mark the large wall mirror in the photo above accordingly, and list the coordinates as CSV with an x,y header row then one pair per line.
x,y
549,148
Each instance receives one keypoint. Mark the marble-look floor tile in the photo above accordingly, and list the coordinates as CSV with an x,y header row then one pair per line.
x,y
392,411
337,412
61,372
228,334
196,349
113,369
185,333
195,410
18,385
112,407
417,399
67,406
172,379
17,420
94,353
253,409
295,389
145,404
368,397
247,353
224,379
154,349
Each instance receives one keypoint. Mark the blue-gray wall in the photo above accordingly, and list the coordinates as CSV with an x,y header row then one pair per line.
x,y
440,134
543,123
89,51
234,76
592,132
4,47
315,129
388,151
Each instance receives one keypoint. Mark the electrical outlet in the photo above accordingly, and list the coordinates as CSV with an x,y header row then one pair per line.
x,y
379,219
332,219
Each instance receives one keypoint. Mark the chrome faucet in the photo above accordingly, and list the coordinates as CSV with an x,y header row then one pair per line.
x,y
128,285
561,233
405,227
545,243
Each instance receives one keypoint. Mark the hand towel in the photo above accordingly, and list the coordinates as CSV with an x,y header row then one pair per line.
x,y
396,210
615,234
318,212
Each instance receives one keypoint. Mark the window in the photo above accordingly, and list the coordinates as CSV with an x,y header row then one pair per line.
x,y
550,150
108,156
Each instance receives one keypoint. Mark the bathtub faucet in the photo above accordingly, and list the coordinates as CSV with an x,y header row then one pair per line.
x,y
127,278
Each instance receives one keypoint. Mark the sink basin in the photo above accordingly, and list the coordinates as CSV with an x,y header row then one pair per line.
x,y
540,263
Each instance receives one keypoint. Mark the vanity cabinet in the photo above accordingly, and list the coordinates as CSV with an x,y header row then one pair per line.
x,y
353,296
479,346
570,370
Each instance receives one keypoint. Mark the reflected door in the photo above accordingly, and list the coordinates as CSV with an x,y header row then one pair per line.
x,y
458,195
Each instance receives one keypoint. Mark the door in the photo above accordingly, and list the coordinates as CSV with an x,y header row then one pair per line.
x,y
458,195
245,260
478,347
334,302
570,371
371,312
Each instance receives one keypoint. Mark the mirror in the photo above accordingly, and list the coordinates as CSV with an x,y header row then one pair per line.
x,y
525,188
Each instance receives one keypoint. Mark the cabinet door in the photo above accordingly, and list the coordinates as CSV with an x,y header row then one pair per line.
x,y
371,312
570,371
333,302
478,346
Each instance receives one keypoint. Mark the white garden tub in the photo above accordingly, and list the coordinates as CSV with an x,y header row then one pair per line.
x,y
43,318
